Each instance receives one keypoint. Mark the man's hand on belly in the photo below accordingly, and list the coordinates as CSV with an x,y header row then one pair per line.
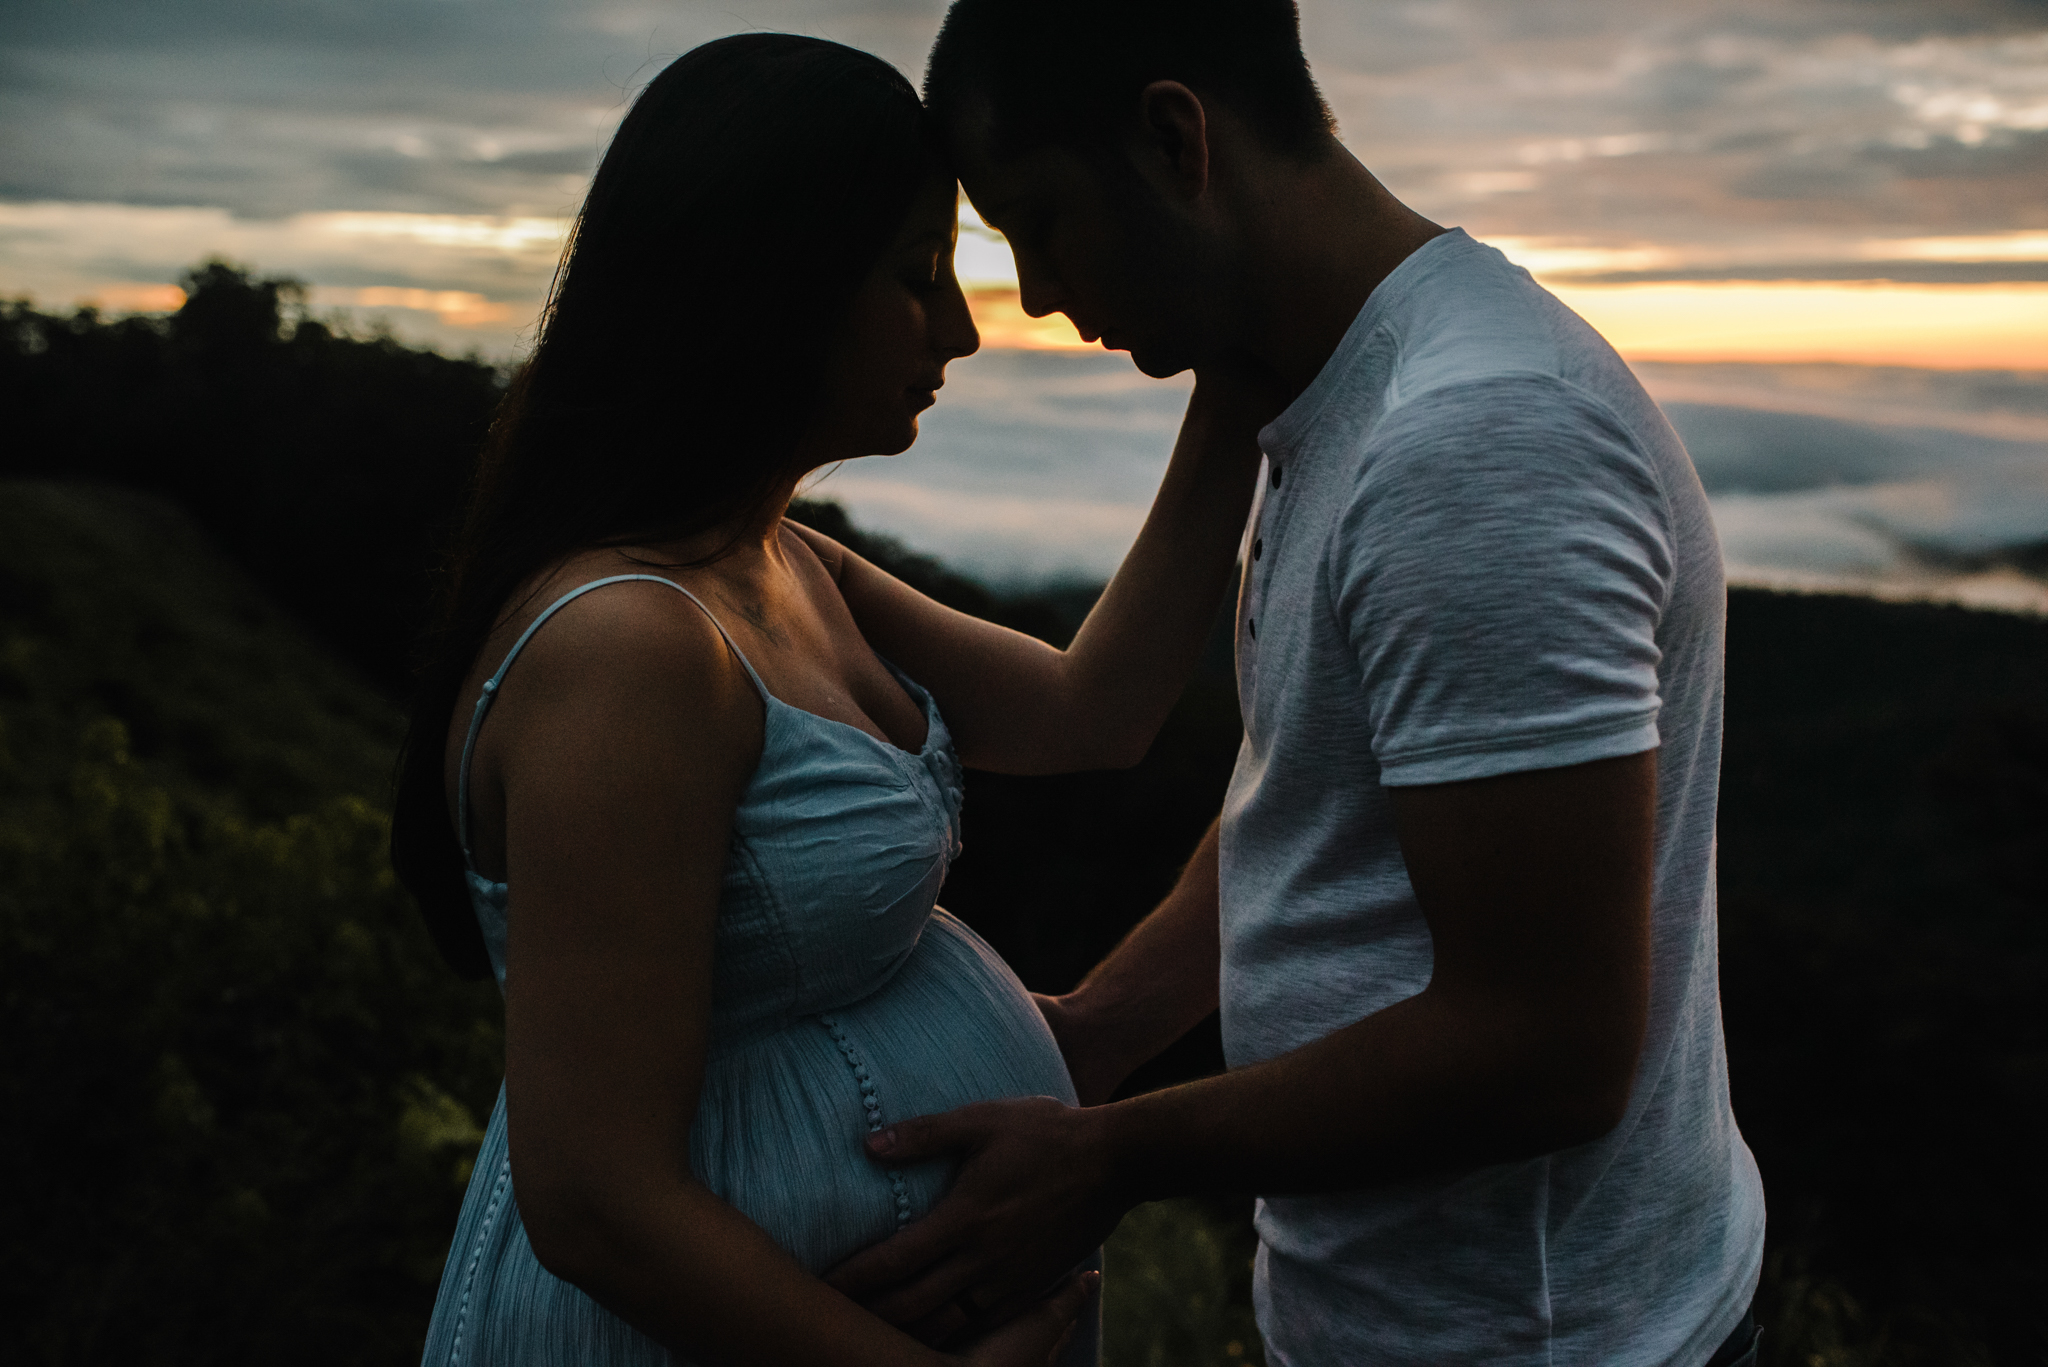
x,y
1034,1195
1536,887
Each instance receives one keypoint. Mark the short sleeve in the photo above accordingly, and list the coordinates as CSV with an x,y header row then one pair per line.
x,y
1500,571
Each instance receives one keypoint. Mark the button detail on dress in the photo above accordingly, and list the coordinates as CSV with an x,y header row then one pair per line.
x,y
871,1103
1276,477
1252,627
1258,547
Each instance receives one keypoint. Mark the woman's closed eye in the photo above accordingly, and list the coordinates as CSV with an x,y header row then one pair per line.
x,y
928,271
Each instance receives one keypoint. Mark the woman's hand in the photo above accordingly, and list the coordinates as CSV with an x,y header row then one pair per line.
x,y
1237,399
1037,1336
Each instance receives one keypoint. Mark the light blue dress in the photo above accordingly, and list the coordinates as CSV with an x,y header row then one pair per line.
x,y
843,999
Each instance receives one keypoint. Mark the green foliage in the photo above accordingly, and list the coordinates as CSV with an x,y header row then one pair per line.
x,y
112,604
241,1095
1176,1288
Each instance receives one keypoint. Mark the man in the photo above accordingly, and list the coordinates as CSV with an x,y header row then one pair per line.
x,y
1459,906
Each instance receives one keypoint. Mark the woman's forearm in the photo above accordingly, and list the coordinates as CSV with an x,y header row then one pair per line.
x,y
1017,705
695,1275
1127,664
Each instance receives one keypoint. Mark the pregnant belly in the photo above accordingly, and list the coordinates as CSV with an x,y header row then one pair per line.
x,y
780,1121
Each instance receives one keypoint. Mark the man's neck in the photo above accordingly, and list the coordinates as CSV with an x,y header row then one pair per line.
x,y
1320,237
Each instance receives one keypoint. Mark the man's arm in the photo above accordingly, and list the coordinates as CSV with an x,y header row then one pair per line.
x,y
1536,888
1154,988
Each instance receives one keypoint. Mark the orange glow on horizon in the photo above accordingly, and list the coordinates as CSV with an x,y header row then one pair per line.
x,y
459,308
136,298
1003,323
1937,327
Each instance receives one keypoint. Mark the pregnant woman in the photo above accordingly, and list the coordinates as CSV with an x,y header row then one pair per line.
x,y
660,786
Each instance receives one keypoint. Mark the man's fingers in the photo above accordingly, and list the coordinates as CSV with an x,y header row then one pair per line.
x,y
898,1258
926,1137
1062,1310
1040,1333
1073,1298
941,1327
1015,1285
939,1287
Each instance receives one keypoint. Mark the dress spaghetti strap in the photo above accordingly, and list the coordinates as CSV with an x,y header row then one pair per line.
x,y
490,688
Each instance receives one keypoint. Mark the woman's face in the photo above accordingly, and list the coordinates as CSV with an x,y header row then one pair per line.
x,y
906,321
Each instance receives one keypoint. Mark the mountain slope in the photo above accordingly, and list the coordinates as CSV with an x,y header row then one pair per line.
x,y
240,1091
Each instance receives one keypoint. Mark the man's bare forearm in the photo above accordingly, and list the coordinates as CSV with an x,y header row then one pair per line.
x,y
1152,989
1429,1085
1537,887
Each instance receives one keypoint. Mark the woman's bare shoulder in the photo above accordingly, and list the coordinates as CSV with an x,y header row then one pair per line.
x,y
636,637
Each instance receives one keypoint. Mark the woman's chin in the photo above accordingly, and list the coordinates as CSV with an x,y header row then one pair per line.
x,y
879,441
898,446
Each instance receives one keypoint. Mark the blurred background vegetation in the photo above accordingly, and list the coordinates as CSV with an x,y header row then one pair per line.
x,y
240,1094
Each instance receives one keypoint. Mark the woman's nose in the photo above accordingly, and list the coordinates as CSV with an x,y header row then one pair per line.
x,y
953,331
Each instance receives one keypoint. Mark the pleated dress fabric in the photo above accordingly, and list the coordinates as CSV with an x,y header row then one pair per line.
x,y
843,999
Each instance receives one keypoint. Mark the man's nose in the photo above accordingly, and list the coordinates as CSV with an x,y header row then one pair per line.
x,y
1038,291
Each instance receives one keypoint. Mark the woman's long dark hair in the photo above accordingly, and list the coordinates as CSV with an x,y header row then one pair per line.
x,y
745,197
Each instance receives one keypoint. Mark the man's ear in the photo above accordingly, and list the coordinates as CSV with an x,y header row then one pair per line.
x,y
1176,133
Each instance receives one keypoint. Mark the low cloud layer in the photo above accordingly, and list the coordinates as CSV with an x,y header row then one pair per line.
x,y
1908,483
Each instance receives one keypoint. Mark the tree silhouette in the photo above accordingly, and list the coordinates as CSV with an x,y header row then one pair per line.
x,y
329,465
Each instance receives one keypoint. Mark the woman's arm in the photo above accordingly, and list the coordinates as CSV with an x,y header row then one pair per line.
x,y
1017,705
615,851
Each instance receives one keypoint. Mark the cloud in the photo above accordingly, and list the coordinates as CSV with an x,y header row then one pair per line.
x,y
273,107
460,281
1693,143
1590,116
1033,464
1904,483
1696,123
1896,482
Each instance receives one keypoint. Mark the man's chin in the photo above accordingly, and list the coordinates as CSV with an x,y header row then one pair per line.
x,y
1158,362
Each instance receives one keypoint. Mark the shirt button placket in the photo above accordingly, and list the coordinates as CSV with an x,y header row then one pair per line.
x,y
1251,624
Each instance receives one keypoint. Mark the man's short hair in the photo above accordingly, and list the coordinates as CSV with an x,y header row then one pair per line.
x,y
1068,72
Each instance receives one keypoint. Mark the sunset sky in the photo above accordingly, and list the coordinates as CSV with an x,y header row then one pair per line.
x,y
1854,180
1819,228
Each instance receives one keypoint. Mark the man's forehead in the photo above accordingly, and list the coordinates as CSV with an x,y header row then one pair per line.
x,y
1000,186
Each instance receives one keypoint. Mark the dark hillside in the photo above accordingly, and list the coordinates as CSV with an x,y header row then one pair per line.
x,y
116,606
239,1095
1884,932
